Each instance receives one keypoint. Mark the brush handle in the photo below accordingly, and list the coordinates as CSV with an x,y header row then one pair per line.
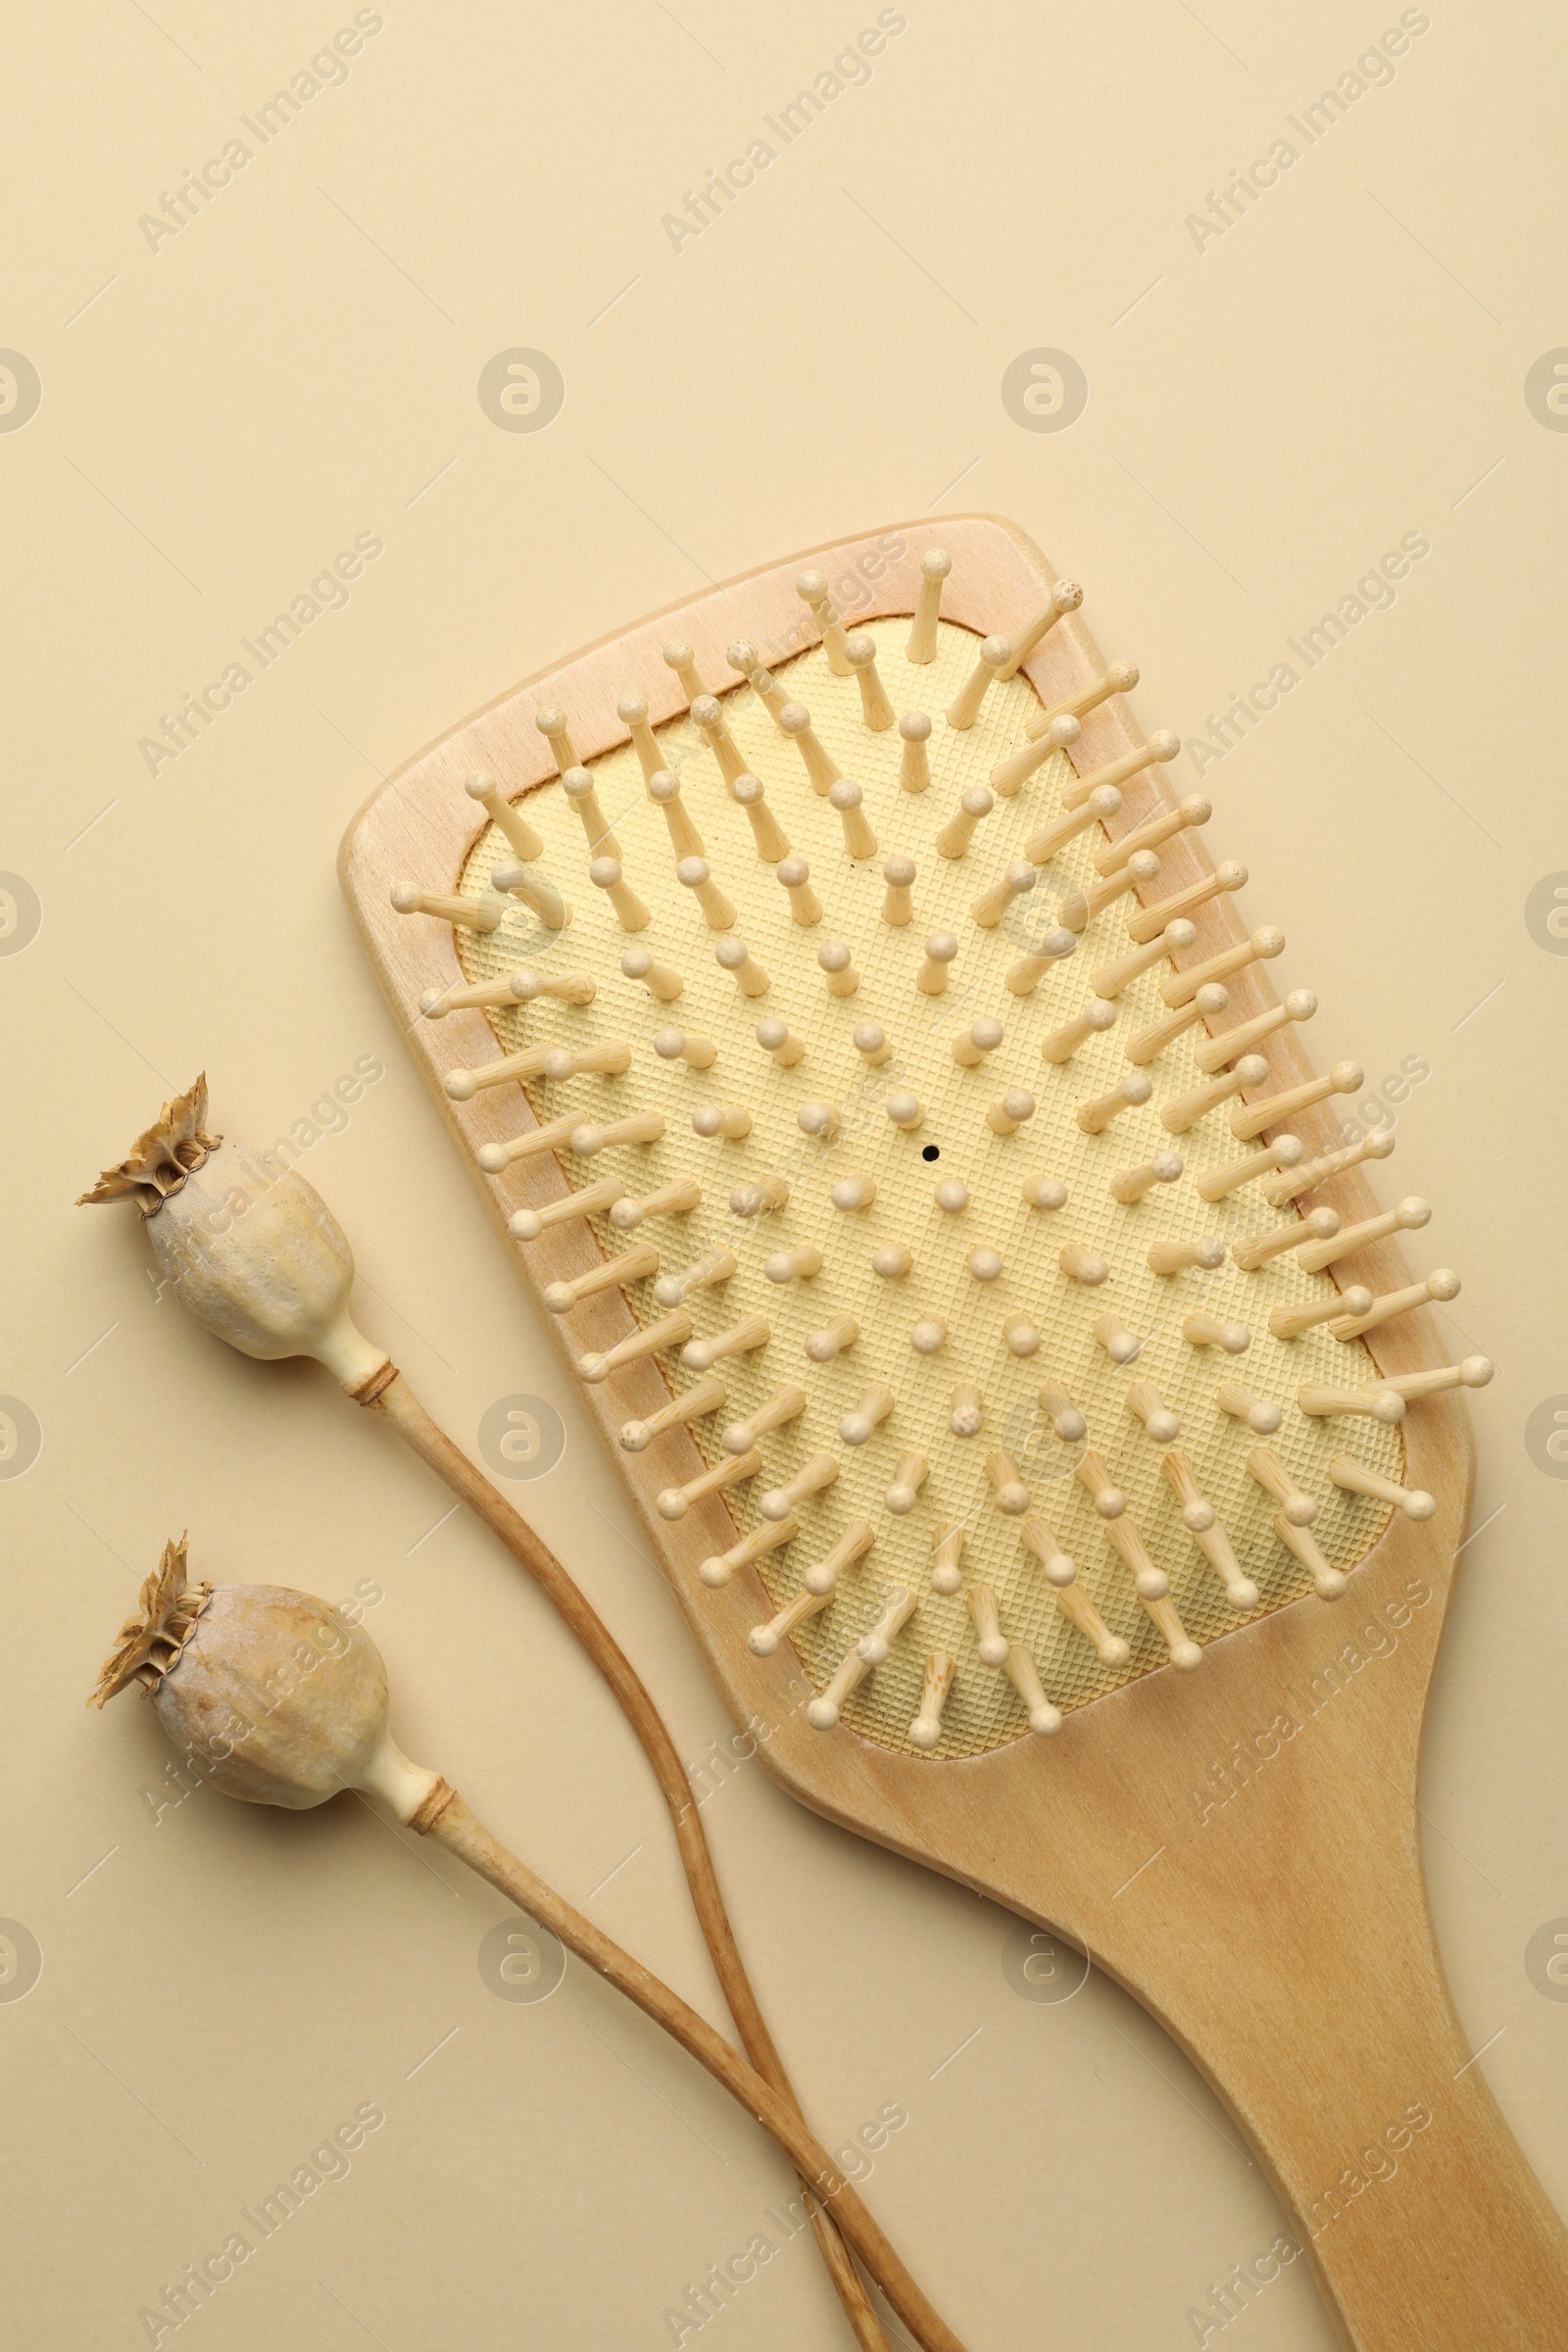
x,y
1330,2035
1279,1930
388,1394
445,1817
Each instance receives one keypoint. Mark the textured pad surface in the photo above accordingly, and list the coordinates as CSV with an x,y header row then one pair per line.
x,y
983,1710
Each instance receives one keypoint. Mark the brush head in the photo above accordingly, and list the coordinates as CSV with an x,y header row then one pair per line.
x,y
962,1251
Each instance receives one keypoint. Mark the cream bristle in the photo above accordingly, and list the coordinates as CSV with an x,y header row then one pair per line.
x,y
1171,1257
975,803
1178,988
1062,1044
1299,1005
527,1224
661,980
615,1273
679,657
1080,907
1147,1045
694,874
717,1571
858,1426
578,786
675,1502
915,765
813,590
1159,747
1042,847
1112,978
1119,1344
1065,597
1303,1177
664,791
1120,678
667,1331
1261,1417
736,959
740,1338
708,714
822,771
897,905
1196,810
632,712
765,1641
964,709
875,709
775,1039
1318,1225
1216,1183
1264,1465
1187,1109
535,889
935,566
707,1272
695,1403
1355,1478
1200,1330
1345,1078
785,1404
817,1471
846,798
1289,1322
1010,1111
676,1200
795,876
1012,773
1148,1405
508,817
854,1544
678,1044
926,1728
772,842
1015,883
1095,1116
940,948
468,915
947,1556
552,725
1439,1286
605,874
908,1477
593,1135
833,956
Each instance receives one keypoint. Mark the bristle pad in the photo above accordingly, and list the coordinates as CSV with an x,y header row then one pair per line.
x,y
984,1709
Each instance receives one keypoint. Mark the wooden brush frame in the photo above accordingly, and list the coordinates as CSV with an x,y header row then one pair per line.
x,y
1279,1932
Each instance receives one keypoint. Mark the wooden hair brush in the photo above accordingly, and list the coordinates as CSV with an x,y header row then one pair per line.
x,y
1013,1373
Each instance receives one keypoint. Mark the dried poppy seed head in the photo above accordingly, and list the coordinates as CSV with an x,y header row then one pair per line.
x,y
272,1696
251,1250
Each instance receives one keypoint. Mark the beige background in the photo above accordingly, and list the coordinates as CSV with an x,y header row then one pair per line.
x,y
220,416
